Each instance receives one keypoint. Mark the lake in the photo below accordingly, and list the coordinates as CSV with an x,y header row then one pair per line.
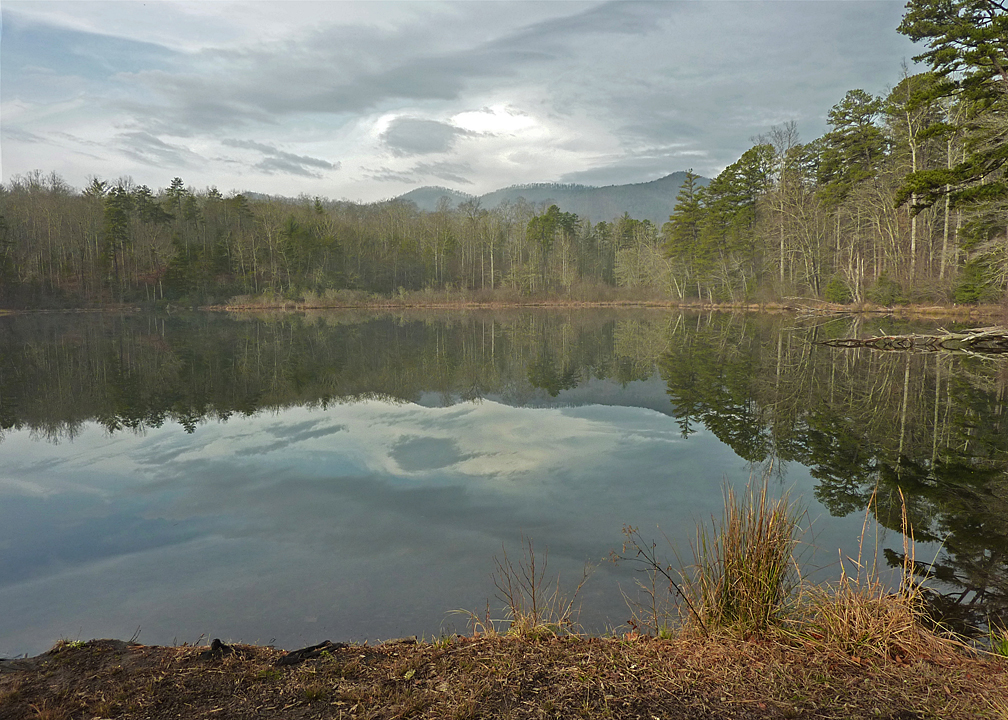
x,y
293,478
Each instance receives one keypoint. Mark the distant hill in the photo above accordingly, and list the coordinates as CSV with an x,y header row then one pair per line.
x,y
652,200
427,197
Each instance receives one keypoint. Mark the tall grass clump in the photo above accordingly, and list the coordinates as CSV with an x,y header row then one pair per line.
x,y
744,570
862,614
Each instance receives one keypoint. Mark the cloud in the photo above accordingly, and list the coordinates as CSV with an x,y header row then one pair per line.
x,y
449,171
422,172
22,135
416,454
588,90
77,139
287,435
387,174
339,70
151,150
275,160
413,136
638,166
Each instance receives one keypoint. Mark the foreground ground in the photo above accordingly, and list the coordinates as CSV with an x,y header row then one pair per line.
x,y
498,678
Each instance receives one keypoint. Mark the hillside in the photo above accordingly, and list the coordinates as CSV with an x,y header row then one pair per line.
x,y
652,200
427,197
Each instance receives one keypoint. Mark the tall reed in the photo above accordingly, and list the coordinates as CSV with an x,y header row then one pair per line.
x,y
744,572
861,613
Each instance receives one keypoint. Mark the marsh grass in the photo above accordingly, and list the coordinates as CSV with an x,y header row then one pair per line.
x,y
742,575
744,571
534,608
744,579
862,615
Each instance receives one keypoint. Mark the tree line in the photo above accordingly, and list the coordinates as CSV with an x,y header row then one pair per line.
x,y
117,241
903,199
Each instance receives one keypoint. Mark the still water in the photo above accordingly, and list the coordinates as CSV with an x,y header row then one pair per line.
x,y
289,479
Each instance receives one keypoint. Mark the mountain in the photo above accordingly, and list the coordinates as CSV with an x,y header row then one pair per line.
x,y
427,197
652,200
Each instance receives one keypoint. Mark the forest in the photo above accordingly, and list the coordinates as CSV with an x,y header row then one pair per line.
x,y
903,200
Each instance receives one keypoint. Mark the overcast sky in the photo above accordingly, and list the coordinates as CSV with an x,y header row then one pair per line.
x,y
367,100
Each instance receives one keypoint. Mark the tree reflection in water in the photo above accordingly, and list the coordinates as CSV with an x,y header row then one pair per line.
x,y
863,421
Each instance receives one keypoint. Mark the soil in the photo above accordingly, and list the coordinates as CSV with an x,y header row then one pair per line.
x,y
499,677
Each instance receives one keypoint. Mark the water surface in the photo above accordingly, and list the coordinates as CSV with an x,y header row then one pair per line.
x,y
294,478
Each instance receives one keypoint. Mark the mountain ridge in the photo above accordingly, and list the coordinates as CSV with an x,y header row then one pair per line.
x,y
651,200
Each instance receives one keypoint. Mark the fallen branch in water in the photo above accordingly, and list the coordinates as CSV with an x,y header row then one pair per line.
x,y
993,340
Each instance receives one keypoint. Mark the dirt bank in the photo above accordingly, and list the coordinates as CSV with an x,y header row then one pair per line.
x,y
497,677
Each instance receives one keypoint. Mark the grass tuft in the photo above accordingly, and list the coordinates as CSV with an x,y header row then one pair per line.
x,y
999,641
66,644
861,615
314,692
533,608
743,572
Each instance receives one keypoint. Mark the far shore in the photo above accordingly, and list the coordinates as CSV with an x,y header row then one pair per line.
x,y
798,305
802,306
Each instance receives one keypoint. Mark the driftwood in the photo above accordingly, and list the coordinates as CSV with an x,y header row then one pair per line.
x,y
988,340
295,657
217,650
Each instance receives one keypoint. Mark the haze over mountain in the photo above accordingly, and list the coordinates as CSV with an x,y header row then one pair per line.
x,y
652,200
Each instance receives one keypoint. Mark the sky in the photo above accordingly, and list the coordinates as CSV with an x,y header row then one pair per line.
x,y
367,100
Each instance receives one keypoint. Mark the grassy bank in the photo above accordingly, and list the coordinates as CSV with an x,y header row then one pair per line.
x,y
501,677
735,633
506,299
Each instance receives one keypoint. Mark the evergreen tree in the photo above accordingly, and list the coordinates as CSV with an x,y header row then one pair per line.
x,y
853,150
967,49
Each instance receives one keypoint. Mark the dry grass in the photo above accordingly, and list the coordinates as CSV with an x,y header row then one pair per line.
x,y
583,295
743,570
744,582
533,608
862,615
501,677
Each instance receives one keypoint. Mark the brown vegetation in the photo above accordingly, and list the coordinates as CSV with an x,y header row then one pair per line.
x,y
596,298
499,677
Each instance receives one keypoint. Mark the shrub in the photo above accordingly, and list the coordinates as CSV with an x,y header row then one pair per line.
x,y
885,291
974,284
837,291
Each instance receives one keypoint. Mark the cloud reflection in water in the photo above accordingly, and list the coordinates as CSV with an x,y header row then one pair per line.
x,y
375,519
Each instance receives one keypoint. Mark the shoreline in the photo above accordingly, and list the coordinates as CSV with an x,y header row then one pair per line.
x,y
498,676
571,676
801,306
